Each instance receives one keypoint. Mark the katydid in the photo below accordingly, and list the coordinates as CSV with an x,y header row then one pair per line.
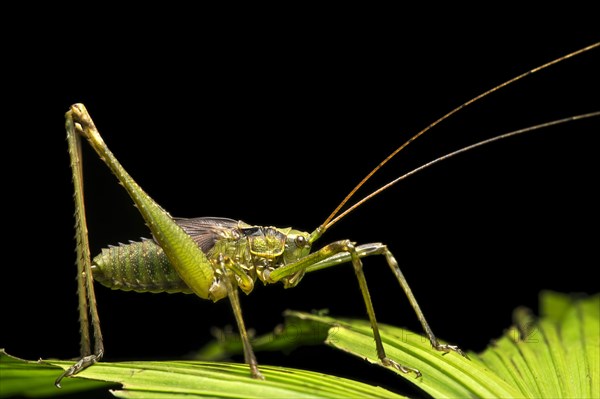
x,y
213,257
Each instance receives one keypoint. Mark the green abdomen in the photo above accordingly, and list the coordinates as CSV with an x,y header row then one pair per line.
x,y
138,266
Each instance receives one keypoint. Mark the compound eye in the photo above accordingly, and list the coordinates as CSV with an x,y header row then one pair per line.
x,y
300,241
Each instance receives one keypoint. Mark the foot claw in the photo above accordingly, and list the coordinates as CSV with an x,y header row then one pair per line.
x,y
82,364
405,369
256,374
448,348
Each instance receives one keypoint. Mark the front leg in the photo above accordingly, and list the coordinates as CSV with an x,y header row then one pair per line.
x,y
413,302
381,249
345,251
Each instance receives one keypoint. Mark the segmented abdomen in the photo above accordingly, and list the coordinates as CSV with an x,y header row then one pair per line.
x,y
138,266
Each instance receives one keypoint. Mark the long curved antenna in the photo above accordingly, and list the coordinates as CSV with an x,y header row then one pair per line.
x,y
330,219
457,152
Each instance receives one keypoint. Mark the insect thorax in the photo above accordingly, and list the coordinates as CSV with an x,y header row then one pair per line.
x,y
268,248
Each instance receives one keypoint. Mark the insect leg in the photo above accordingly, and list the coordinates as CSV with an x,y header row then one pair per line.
x,y
85,281
415,305
391,261
184,254
232,293
381,249
362,281
344,251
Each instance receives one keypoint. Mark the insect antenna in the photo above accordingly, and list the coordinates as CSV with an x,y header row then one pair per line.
x,y
457,152
332,219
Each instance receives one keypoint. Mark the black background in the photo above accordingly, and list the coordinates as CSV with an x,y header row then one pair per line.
x,y
275,130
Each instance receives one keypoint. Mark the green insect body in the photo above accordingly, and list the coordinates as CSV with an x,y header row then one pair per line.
x,y
254,251
209,257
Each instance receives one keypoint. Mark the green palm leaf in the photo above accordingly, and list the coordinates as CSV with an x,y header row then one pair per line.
x,y
557,356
